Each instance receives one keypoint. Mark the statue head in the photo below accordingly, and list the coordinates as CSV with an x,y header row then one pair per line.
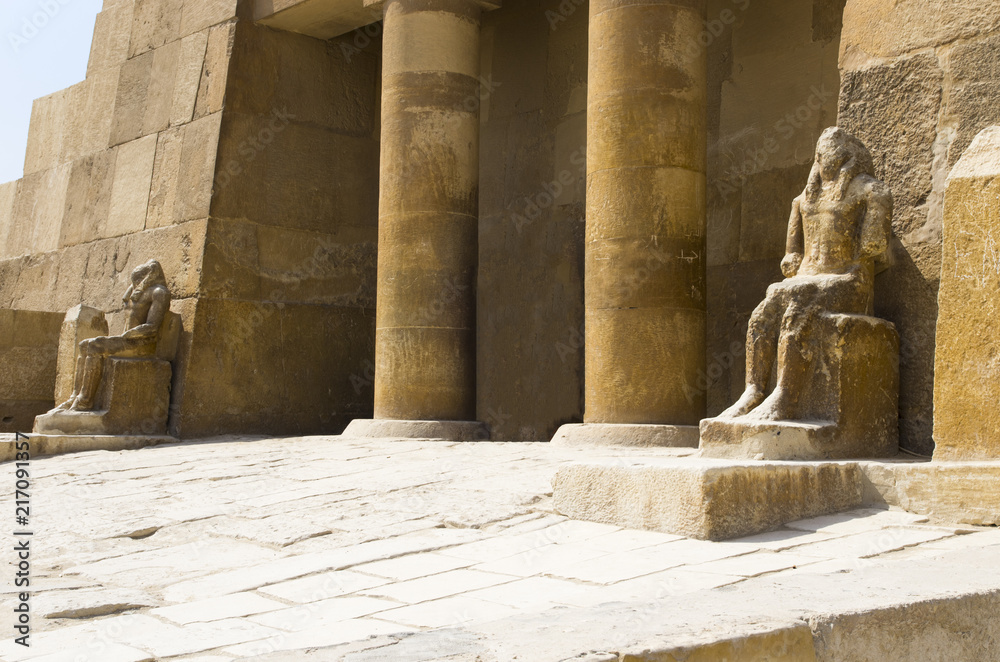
x,y
840,157
145,276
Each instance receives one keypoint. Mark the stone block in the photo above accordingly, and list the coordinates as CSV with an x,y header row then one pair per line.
x,y
268,366
704,499
188,77
886,28
947,492
197,168
45,133
38,211
112,33
214,75
154,23
88,198
610,434
201,14
849,409
8,192
28,342
130,99
967,357
134,399
80,323
130,192
160,92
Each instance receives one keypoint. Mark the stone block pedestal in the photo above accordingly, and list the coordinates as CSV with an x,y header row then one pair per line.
x,y
704,499
849,408
712,499
443,430
613,434
133,399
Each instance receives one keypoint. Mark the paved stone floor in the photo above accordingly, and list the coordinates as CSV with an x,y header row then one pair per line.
x,y
232,549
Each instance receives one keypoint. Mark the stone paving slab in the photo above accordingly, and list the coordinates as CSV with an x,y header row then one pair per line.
x,y
415,550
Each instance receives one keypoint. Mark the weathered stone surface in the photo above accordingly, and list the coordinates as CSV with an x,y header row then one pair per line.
x,y
112,32
214,74
443,430
28,342
38,211
130,192
200,15
884,28
188,77
80,323
959,492
88,198
154,23
160,92
966,392
622,434
131,100
704,499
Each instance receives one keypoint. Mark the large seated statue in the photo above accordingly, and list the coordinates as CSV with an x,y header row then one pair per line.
x,y
121,384
836,386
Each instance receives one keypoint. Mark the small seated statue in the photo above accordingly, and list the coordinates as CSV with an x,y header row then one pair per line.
x,y
121,384
149,301
835,362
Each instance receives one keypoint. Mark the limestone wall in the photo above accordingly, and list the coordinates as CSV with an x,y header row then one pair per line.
x,y
921,80
29,343
284,330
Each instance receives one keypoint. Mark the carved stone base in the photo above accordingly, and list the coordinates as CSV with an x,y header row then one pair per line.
x,y
848,409
720,500
605,434
704,499
45,444
134,399
443,430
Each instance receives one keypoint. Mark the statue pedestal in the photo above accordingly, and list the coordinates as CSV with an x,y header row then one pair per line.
x,y
133,399
849,408
712,499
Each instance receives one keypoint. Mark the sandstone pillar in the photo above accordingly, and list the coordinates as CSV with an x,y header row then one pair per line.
x,y
645,269
425,343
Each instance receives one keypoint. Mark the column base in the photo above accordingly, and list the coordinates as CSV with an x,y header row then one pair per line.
x,y
376,428
625,434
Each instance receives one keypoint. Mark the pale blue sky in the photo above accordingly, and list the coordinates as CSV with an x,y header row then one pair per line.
x,y
44,46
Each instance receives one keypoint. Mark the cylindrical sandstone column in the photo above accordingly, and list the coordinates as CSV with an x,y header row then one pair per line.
x,y
646,213
425,346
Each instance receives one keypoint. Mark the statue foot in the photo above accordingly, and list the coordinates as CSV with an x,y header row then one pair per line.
x,y
66,405
82,405
777,407
750,399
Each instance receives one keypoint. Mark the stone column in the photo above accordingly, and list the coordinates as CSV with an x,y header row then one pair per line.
x,y
425,343
646,218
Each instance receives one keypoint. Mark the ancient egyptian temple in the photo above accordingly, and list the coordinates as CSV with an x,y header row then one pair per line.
x,y
500,217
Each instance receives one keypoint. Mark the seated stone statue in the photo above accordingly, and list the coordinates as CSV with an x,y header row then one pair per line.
x,y
121,384
834,361
149,301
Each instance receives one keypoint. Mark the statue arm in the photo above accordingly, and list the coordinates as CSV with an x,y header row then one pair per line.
x,y
795,244
876,230
154,318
